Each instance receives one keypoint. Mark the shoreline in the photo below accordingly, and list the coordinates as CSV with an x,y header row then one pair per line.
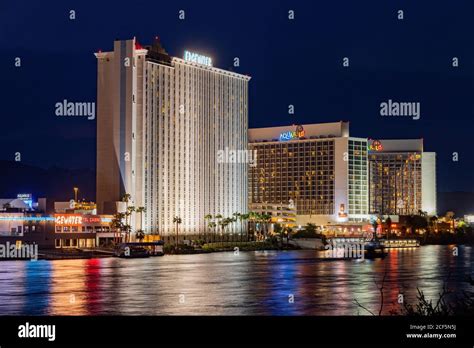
x,y
52,255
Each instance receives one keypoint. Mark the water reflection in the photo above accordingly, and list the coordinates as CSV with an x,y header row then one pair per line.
x,y
250,283
35,282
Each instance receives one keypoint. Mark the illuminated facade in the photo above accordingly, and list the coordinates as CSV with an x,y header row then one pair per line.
x,y
83,230
161,121
317,167
402,177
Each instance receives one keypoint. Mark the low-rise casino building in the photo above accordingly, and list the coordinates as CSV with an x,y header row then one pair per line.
x,y
55,224
83,231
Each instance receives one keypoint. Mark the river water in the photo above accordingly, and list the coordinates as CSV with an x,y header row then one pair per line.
x,y
250,283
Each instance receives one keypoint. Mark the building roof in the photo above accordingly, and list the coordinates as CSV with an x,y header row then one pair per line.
x,y
311,131
395,145
14,203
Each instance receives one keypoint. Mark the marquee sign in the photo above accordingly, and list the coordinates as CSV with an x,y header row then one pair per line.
x,y
68,219
80,219
197,58
292,135
376,145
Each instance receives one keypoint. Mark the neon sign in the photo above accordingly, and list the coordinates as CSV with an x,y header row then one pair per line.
x,y
375,146
292,135
342,211
68,219
197,58
92,219
27,198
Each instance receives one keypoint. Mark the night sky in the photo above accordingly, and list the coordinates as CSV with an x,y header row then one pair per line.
x,y
296,62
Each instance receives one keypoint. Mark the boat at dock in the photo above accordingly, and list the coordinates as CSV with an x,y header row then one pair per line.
x,y
374,250
400,243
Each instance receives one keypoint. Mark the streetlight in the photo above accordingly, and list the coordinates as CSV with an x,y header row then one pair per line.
x,y
75,193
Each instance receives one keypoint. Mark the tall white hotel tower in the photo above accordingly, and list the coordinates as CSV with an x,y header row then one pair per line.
x,y
161,121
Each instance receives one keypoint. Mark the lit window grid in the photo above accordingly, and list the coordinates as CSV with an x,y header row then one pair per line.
x,y
358,177
301,171
395,177
182,177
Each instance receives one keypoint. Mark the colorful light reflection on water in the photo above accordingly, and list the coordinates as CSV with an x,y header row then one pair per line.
x,y
251,283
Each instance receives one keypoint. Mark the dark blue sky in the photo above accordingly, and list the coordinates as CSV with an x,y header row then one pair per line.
x,y
295,62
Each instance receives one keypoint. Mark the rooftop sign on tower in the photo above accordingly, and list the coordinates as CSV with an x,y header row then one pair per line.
x,y
197,58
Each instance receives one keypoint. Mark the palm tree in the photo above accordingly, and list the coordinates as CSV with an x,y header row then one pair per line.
x,y
141,210
177,220
140,235
126,197
251,218
232,221
223,223
212,225
218,218
422,213
242,218
128,215
266,219
208,218
235,218
257,218
287,230
117,222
